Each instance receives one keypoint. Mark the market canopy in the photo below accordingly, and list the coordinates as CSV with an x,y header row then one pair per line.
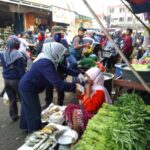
x,y
139,6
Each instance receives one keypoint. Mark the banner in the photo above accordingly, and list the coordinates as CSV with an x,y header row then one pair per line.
x,y
62,15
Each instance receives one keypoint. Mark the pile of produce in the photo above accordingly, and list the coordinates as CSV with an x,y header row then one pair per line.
x,y
53,114
122,126
87,51
41,140
87,63
140,67
146,60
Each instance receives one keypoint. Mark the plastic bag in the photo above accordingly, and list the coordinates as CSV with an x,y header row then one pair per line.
x,y
57,118
5,99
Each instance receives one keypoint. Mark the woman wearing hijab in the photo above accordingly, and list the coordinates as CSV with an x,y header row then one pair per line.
x,y
94,96
13,69
42,73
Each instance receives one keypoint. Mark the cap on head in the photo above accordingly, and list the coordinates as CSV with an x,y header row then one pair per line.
x,y
57,29
82,29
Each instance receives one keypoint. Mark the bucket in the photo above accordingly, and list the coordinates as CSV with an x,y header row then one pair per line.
x,y
108,77
119,69
127,74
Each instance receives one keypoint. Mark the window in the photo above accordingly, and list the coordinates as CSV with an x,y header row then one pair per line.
x,y
111,10
121,10
129,19
121,19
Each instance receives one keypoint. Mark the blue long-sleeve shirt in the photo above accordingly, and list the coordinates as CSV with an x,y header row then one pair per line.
x,y
15,70
42,74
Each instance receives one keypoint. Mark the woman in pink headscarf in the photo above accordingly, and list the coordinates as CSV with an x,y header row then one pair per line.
x,y
94,96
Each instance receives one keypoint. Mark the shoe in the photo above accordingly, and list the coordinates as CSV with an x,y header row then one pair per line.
x,y
14,119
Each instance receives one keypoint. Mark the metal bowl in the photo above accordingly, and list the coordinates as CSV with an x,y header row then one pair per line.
x,y
66,137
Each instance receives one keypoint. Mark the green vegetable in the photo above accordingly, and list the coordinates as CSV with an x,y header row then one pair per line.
x,y
87,63
122,126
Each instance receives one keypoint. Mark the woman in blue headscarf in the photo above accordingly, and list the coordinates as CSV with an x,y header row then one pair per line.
x,y
13,69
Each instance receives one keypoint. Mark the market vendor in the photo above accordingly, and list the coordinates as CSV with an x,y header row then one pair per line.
x,y
94,96
76,48
43,72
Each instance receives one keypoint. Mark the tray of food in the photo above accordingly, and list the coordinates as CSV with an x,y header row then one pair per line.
x,y
43,139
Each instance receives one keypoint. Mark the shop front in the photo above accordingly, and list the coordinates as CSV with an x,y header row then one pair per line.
x,y
10,20
38,21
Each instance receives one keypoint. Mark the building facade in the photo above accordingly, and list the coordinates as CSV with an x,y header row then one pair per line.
x,y
23,15
120,16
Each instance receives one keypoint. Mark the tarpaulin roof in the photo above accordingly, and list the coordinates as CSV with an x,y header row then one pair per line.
x,y
139,6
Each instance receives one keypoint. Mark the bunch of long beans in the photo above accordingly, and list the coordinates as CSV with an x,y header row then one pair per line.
x,y
123,126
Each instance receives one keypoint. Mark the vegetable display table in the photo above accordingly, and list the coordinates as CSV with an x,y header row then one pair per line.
x,y
129,84
120,85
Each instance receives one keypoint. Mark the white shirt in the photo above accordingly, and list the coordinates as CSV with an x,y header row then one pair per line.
x,y
23,46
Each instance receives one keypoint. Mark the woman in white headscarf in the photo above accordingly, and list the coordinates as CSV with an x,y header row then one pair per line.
x,y
95,95
42,73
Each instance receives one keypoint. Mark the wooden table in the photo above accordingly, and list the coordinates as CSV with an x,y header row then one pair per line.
x,y
129,84
120,85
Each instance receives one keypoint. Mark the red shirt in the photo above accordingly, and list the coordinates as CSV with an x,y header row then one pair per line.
x,y
128,44
93,103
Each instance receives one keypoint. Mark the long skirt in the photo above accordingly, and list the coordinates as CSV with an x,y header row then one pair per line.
x,y
78,112
30,111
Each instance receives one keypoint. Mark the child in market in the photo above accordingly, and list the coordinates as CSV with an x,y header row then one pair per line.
x,y
95,94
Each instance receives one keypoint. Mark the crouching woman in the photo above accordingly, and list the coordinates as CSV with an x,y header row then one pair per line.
x,y
95,94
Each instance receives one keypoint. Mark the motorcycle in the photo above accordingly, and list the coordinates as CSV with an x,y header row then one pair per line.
x,y
109,55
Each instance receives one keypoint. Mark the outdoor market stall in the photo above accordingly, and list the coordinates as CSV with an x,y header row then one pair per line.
x,y
122,125
125,125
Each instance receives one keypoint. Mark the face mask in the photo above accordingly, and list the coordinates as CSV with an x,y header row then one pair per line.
x,y
60,60
40,38
57,37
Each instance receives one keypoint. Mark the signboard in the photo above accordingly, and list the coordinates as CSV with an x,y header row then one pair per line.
x,y
62,15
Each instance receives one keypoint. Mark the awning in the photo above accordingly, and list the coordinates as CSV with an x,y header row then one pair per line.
x,y
139,6
28,3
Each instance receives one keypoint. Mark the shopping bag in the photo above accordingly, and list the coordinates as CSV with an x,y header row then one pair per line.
x,y
5,99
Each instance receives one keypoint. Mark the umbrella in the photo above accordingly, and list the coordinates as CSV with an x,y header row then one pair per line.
x,y
139,6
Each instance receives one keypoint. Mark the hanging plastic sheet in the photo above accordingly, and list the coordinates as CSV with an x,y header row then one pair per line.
x,y
139,6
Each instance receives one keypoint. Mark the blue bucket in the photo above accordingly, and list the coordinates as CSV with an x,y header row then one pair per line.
x,y
118,69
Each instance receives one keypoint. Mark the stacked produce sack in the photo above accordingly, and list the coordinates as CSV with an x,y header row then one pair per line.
x,y
122,126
